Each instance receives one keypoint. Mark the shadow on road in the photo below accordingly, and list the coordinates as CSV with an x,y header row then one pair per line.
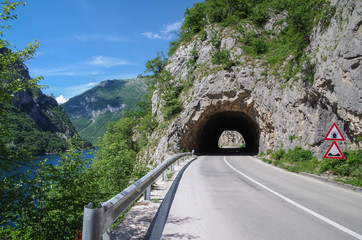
x,y
159,222
228,152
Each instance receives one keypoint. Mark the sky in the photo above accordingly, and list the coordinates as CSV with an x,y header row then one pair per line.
x,y
84,42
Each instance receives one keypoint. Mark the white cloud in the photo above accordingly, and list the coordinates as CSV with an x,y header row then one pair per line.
x,y
172,27
61,99
104,61
85,68
156,36
166,33
74,70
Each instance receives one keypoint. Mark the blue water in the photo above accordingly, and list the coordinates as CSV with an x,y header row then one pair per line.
x,y
52,159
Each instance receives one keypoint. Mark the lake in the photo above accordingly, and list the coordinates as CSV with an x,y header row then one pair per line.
x,y
52,159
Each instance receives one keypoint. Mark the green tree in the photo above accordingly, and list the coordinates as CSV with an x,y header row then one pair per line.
x,y
157,64
47,203
116,158
12,80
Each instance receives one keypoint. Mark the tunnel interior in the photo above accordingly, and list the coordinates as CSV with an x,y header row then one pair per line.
x,y
208,137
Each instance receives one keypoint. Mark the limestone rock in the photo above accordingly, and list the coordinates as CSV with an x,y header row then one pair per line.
x,y
268,113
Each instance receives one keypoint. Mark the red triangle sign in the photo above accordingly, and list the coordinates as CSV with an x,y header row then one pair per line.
x,y
334,134
334,152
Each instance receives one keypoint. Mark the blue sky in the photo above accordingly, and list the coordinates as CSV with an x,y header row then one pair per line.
x,y
83,42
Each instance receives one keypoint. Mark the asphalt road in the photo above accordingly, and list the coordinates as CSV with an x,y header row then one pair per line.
x,y
240,197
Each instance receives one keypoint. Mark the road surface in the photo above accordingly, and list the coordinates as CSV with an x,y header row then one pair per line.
x,y
240,197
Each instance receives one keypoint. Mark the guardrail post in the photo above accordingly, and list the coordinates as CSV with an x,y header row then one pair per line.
x,y
148,193
172,167
178,162
164,176
107,235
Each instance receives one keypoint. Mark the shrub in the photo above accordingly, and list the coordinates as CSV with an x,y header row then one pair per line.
x,y
298,154
343,167
278,154
222,57
261,154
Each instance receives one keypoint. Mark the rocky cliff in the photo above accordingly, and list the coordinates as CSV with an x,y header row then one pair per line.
x,y
270,110
38,124
231,139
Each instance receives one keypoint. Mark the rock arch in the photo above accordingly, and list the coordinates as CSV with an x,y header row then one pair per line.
x,y
203,134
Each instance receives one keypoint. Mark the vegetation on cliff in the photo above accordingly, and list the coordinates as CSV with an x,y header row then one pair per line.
x,y
300,18
295,21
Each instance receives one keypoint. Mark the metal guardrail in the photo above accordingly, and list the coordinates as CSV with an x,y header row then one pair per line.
x,y
97,222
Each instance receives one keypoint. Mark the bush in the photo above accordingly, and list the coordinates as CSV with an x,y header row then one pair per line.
x,y
278,154
259,15
349,170
343,167
222,57
298,154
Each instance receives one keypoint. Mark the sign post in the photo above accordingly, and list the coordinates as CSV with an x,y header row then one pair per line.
x,y
334,134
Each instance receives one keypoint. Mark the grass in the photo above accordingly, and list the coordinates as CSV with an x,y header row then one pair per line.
x,y
170,175
347,170
156,200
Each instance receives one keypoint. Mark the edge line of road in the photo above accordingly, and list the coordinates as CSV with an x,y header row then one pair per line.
x,y
327,220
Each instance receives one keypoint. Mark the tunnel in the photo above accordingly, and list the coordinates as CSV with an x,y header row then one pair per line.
x,y
207,136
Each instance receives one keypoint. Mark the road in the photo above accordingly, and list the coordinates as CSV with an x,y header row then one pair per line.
x,y
240,197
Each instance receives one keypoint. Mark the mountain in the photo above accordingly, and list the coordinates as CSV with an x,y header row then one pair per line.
x,y
280,79
91,111
37,123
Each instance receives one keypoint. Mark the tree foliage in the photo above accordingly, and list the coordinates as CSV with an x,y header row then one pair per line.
x,y
12,80
116,156
47,202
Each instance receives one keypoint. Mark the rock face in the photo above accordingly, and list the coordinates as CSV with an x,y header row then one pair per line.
x,y
268,112
37,123
231,139
36,108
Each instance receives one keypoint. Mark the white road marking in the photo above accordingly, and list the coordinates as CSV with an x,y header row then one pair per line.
x,y
327,220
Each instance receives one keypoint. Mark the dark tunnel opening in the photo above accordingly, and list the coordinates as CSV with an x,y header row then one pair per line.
x,y
208,139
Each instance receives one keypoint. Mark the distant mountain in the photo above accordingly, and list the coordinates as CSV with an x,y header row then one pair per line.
x,y
37,123
91,111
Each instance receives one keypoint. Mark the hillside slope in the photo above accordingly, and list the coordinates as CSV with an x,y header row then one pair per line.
x,y
91,111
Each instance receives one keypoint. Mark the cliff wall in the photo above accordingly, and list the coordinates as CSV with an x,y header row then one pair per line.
x,y
268,109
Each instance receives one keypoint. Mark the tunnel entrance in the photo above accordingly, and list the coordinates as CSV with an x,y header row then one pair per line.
x,y
208,135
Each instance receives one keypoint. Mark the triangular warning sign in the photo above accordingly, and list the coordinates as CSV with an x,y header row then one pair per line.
x,y
334,134
334,152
